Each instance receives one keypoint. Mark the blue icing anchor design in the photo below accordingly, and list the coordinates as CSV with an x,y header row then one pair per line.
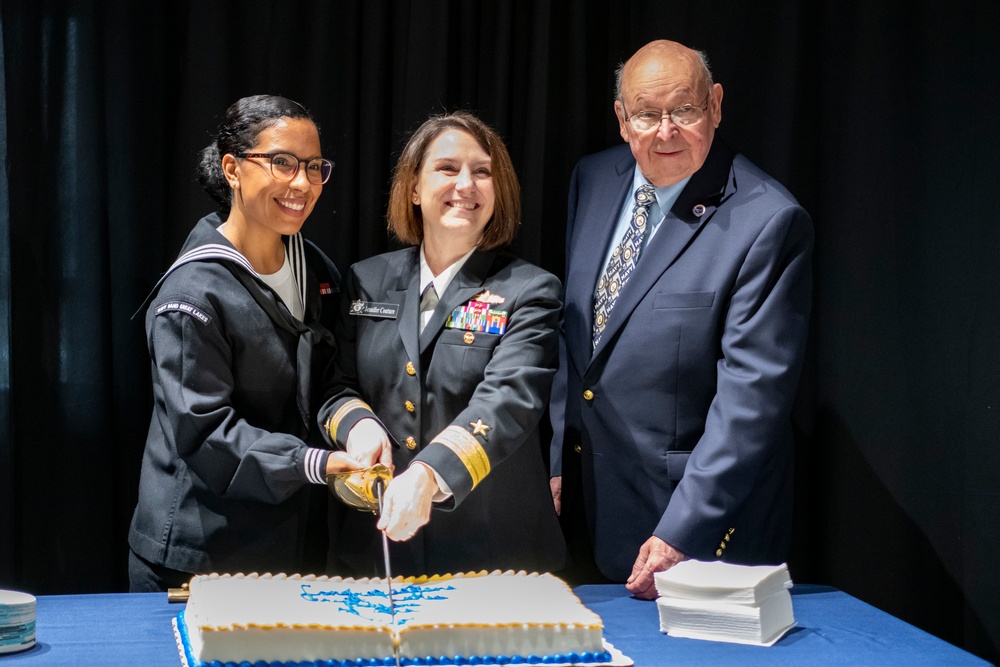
x,y
374,605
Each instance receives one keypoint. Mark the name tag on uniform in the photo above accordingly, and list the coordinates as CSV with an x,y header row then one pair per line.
x,y
361,308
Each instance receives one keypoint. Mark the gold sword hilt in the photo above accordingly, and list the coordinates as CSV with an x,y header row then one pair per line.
x,y
357,488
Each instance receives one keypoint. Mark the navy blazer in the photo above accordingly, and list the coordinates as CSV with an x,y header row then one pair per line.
x,y
678,423
468,403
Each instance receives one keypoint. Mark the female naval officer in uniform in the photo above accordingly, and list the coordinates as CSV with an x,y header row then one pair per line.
x,y
237,336
451,344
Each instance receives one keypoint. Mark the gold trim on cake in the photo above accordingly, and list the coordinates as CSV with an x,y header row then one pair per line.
x,y
467,449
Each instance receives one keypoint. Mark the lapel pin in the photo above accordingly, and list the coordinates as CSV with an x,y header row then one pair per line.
x,y
699,210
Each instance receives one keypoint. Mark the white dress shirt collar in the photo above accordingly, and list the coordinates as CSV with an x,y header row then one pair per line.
x,y
443,279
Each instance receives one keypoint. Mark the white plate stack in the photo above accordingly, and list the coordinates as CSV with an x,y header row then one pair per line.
x,y
17,621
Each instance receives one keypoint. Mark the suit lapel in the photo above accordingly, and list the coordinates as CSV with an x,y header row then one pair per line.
x,y
466,284
708,188
592,238
406,292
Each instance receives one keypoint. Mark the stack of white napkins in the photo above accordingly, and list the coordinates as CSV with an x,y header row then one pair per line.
x,y
743,604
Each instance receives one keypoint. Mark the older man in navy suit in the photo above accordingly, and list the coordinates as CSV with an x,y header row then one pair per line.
x,y
687,302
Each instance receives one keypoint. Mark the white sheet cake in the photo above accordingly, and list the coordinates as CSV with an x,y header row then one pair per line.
x,y
474,618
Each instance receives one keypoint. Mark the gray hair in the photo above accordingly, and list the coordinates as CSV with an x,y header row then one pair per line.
x,y
702,59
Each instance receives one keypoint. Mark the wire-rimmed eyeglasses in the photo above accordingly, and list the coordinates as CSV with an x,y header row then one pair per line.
x,y
683,116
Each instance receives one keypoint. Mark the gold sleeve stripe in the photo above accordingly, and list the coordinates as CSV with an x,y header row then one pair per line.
x,y
333,423
467,449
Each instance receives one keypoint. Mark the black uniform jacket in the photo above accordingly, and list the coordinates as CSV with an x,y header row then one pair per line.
x,y
223,486
465,401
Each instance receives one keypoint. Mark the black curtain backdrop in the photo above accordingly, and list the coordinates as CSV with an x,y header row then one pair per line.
x,y
881,116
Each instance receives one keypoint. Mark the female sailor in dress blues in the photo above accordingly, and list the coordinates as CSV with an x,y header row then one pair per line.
x,y
238,338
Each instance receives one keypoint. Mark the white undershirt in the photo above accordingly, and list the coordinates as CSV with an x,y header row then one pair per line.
x,y
283,283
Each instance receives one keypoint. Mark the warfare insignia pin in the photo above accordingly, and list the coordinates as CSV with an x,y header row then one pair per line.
x,y
488,297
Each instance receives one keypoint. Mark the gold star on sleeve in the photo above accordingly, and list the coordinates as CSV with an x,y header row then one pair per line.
x,y
479,428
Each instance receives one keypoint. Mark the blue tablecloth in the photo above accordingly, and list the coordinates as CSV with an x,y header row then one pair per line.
x,y
833,628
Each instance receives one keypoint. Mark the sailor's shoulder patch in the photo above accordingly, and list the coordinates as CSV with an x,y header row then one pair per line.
x,y
177,306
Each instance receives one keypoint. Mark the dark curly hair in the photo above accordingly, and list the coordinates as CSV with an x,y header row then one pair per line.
x,y
245,119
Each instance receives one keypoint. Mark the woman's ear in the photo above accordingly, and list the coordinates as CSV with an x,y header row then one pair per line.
x,y
230,171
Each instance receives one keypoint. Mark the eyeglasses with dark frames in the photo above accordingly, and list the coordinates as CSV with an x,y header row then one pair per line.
x,y
284,166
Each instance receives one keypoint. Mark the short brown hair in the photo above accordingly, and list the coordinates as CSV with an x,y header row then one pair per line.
x,y
404,217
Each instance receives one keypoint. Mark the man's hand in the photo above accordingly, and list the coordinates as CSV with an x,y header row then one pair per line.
x,y
368,442
654,556
407,502
555,486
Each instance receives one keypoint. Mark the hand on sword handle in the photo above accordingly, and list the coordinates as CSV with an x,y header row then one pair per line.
x,y
408,503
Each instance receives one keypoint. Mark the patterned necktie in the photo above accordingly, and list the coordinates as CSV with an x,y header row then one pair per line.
x,y
622,261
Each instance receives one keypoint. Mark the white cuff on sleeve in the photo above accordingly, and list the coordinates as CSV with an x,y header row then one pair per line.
x,y
315,465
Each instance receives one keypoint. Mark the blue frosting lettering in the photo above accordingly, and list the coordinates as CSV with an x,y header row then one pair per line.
x,y
373,605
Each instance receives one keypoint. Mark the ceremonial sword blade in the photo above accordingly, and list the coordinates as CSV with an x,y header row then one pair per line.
x,y
379,486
